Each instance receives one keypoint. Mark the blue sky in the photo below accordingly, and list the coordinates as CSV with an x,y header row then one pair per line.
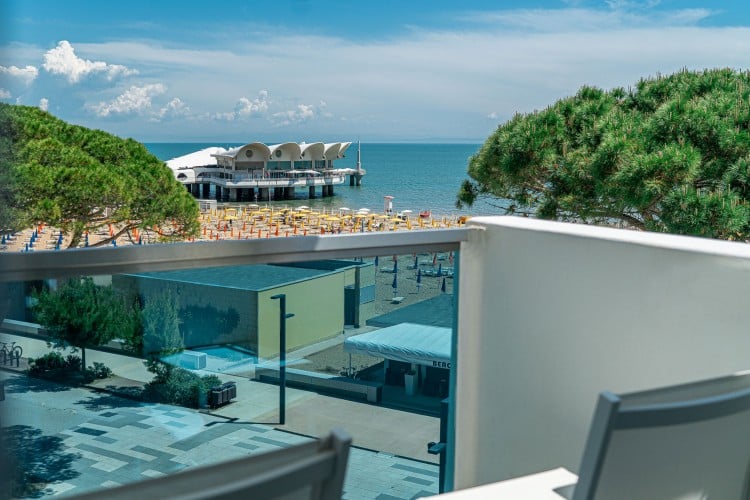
x,y
296,70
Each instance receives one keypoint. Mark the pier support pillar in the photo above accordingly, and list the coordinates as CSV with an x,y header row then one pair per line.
x,y
311,193
351,180
264,194
358,179
218,193
206,191
289,193
278,193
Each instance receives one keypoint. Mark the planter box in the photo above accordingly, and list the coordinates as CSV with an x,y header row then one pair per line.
x,y
222,394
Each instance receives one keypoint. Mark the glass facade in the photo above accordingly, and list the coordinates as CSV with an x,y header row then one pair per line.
x,y
223,351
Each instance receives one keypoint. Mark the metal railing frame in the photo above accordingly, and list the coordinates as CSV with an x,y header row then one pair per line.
x,y
21,266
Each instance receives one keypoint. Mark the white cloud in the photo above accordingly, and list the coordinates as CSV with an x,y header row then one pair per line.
x,y
62,60
302,113
174,108
133,100
27,74
4,94
620,15
44,104
246,108
493,115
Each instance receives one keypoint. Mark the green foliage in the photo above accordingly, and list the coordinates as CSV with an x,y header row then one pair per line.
x,y
670,155
100,370
80,180
180,387
161,332
54,366
82,314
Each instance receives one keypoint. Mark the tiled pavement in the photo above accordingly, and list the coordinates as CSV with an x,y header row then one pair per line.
x,y
110,441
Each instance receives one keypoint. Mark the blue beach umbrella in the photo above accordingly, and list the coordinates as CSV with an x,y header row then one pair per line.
x,y
416,262
395,283
3,242
114,243
442,287
27,247
395,267
440,270
419,279
376,261
140,240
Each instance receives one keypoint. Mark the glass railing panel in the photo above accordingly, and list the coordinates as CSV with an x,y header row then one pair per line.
x,y
195,360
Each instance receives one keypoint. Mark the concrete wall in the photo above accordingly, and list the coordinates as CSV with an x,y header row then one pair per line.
x,y
551,314
318,308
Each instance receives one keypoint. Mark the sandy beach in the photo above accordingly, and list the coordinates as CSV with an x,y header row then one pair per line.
x,y
238,222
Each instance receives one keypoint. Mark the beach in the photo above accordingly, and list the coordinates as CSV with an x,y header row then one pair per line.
x,y
238,222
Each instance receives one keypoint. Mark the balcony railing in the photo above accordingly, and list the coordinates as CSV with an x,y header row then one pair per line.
x,y
333,286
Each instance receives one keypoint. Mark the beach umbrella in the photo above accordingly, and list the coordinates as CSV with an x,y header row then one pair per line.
x,y
27,247
140,240
114,243
442,287
419,279
434,259
416,262
376,261
3,242
395,266
440,270
395,283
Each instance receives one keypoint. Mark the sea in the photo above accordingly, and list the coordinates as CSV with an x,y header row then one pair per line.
x,y
418,176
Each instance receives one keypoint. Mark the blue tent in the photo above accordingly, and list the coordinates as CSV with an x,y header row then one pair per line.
x,y
442,287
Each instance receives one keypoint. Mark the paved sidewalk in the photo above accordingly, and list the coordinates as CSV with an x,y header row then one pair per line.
x,y
96,439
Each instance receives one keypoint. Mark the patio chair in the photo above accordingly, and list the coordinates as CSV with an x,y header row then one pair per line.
x,y
312,470
684,441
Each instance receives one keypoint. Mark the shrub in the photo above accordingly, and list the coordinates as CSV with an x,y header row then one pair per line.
x,y
55,366
100,370
180,387
51,363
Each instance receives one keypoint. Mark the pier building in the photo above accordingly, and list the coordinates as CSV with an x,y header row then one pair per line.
x,y
259,172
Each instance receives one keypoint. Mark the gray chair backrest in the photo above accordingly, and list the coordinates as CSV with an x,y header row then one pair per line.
x,y
313,470
685,441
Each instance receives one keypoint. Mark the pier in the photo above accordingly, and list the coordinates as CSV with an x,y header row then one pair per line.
x,y
258,172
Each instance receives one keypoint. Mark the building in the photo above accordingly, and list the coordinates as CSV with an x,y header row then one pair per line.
x,y
233,305
259,172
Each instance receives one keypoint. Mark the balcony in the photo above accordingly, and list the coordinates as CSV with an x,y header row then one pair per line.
x,y
546,316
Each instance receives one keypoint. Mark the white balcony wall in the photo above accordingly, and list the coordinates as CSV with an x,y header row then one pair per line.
x,y
551,314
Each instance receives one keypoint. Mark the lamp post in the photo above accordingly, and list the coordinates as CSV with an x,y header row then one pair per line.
x,y
283,316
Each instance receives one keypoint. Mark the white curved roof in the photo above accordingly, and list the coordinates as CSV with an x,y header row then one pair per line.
x,y
201,158
409,342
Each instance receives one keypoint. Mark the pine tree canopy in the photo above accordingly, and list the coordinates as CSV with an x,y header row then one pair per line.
x,y
78,180
671,154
